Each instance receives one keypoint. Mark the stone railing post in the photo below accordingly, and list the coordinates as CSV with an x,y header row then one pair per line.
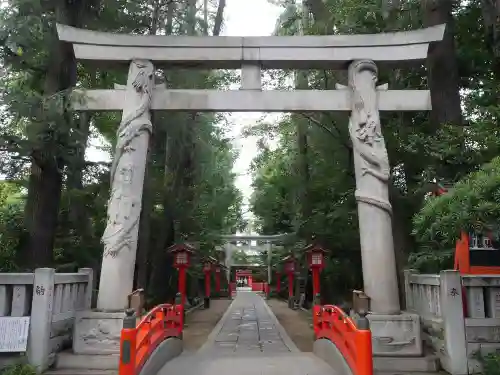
x,y
408,291
41,318
89,288
455,359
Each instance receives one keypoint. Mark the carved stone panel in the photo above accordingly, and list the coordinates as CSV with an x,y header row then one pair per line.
x,y
97,332
396,335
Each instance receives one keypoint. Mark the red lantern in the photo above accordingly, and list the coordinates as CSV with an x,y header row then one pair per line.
x,y
207,267
182,254
289,265
316,259
182,259
315,256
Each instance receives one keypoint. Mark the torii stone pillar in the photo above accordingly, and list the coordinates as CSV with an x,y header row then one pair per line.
x,y
372,173
127,180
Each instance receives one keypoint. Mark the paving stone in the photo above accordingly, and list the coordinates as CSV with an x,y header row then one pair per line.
x,y
247,343
227,337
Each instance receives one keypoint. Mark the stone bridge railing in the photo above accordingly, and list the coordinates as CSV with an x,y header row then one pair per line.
x,y
49,301
460,316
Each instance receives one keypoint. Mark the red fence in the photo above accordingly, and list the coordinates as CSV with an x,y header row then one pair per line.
x,y
138,342
355,344
259,287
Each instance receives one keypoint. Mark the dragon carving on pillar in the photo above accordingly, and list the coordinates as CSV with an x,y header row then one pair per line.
x,y
124,207
370,154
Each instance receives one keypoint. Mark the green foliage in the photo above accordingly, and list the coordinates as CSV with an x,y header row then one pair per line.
x,y
472,204
19,369
490,363
189,188
431,261
419,150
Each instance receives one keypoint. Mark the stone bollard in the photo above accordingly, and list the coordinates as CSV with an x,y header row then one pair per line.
x,y
362,321
130,319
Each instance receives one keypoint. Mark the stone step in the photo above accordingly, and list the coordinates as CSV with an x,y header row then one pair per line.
x,y
406,365
70,360
410,373
69,371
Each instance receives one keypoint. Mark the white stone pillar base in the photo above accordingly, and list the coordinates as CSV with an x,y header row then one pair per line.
x,y
97,332
396,335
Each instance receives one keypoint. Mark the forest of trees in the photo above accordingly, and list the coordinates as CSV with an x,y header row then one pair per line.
x,y
53,200
306,183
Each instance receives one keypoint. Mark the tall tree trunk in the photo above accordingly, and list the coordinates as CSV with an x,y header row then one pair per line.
x,y
491,21
442,65
144,239
161,270
45,181
219,18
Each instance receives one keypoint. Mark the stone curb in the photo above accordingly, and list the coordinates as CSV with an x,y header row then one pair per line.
x,y
284,336
215,331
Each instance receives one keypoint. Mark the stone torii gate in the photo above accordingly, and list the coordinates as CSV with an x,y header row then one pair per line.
x,y
268,239
393,332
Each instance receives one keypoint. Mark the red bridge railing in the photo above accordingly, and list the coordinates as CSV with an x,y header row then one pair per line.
x,y
353,342
137,342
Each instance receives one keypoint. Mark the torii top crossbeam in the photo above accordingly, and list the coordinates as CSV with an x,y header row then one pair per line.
x,y
272,52
252,54
265,238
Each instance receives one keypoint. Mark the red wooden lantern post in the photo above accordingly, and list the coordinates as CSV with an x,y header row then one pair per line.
x,y
182,258
217,278
278,281
290,271
208,265
316,259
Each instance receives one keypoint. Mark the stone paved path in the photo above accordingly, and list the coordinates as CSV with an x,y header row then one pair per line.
x,y
248,340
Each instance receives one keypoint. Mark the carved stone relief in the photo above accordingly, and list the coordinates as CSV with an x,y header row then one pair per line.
x,y
366,134
124,207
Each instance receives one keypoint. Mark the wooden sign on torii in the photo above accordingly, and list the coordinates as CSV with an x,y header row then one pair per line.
x,y
362,97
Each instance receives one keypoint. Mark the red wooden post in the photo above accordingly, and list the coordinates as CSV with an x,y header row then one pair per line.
x,y
290,285
182,258
315,275
208,265
290,270
207,284
128,345
182,285
316,259
217,279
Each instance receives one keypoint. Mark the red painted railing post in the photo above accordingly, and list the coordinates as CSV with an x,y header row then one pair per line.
x,y
316,319
128,345
179,311
364,354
